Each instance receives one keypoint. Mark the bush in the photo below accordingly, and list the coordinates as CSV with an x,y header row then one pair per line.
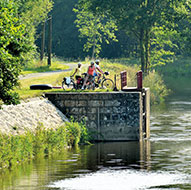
x,y
158,90
19,148
12,43
77,133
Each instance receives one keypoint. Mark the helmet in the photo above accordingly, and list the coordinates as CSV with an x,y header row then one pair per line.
x,y
92,62
79,64
97,61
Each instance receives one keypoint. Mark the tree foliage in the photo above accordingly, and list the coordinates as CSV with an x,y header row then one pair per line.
x,y
17,28
32,13
141,18
67,44
175,22
12,45
96,28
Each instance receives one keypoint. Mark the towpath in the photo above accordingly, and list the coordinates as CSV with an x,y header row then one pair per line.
x,y
48,73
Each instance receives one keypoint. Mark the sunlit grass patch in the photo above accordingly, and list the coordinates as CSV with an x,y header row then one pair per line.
x,y
24,88
41,66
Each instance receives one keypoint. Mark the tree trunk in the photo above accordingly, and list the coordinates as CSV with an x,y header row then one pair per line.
x,y
142,50
49,40
42,41
147,51
93,51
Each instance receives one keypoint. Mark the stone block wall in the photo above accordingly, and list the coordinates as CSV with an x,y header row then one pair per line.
x,y
110,116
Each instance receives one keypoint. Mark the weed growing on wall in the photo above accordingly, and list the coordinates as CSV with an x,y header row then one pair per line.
x,y
15,149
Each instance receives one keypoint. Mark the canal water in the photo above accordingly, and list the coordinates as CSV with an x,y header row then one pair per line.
x,y
163,162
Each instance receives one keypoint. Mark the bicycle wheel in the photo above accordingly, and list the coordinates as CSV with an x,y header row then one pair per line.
x,y
63,85
107,84
72,85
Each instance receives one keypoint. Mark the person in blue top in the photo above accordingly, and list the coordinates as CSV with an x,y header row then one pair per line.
x,y
98,69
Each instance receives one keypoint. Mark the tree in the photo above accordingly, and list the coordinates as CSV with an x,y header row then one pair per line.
x,y
32,13
12,46
96,28
18,21
143,18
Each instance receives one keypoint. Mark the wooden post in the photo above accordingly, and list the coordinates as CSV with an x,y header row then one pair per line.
x,y
115,79
42,41
123,79
49,39
147,116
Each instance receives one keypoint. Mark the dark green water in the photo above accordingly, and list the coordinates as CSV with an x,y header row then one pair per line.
x,y
163,162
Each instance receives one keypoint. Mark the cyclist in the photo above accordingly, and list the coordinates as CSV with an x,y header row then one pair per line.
x,y
98,74
90,74
77,71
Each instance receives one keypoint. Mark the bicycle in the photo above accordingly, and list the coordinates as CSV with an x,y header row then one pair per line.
x,y
106,83
68,82
90,84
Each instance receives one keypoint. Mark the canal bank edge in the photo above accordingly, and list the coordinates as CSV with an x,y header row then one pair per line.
x,y
16,119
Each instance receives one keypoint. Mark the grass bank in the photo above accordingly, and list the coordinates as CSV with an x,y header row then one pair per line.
x,y
24,147
37,66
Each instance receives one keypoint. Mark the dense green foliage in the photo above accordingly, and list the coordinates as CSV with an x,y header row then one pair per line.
x,y
22,147
18,20
66,41
95,28
144,18
158,89
180,67
167,23
12,46
32,13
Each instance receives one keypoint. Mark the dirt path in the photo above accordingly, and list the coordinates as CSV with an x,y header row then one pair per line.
x,y
48,73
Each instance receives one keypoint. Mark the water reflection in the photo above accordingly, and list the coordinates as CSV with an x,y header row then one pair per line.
x,y
130,165
77,162
116,154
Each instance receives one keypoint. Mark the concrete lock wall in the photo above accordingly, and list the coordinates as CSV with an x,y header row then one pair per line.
x,y
109,116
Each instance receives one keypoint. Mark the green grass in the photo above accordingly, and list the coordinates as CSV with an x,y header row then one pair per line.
x,y
24,88
41,66
56,79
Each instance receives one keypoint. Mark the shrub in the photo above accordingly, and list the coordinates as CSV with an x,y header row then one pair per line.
x,y
157,87
19,148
